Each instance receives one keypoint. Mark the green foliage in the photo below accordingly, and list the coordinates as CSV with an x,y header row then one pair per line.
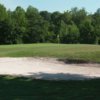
x,y
32,26
3,13
20,23
46,15
87,32
71,35
78,15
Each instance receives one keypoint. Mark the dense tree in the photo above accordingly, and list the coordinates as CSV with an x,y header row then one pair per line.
x,y
5,30
34,20
67,17
78,15
20,22
46,15
55,24
4,26
87,34
32,26
71,34
96,24
3,13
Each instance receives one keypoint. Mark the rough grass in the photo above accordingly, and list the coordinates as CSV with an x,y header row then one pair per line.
x,y
18,88
66,51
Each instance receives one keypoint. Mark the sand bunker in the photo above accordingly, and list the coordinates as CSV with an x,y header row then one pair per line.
x,y
48,68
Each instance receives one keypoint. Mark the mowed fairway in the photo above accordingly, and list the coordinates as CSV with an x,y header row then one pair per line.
x,y
65,51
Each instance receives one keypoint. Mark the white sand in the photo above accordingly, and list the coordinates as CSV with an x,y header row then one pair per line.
x,y
45,68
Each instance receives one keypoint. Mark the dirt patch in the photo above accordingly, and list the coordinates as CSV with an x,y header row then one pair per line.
x,y
79,62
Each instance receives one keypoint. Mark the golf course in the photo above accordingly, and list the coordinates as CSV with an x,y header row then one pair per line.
x,y
49,49
43,72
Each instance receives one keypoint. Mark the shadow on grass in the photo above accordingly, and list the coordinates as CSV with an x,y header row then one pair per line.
x,y
59,76
20,88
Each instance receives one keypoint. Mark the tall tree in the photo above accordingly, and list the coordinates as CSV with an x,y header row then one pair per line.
x,y
35,26
87,34
67,17
3,13
4,27
20,23
96,24
46,15
78,15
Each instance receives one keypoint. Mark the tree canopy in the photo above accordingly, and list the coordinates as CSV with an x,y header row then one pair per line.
x,y
34,26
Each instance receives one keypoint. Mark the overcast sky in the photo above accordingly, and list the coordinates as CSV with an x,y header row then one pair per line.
x,y
53,5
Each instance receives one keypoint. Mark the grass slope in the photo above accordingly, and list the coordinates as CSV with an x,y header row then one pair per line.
x,y
66,51
14,88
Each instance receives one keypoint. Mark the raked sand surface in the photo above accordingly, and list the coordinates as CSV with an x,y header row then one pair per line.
x,y
48,68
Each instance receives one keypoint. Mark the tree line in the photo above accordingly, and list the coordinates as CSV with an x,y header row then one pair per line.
x,y
33,26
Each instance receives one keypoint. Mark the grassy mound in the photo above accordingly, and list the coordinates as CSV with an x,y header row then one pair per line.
x,y
63,51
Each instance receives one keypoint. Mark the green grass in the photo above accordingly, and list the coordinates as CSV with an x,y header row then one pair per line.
x,y
66,51
19,88
14,88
